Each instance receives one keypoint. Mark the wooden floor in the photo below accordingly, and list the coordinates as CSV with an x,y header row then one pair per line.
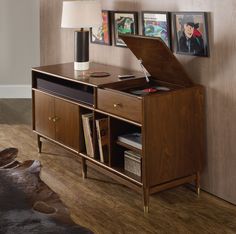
x,y
100,203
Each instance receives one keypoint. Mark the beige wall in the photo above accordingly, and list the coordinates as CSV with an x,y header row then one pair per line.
x,y
217,73
19,40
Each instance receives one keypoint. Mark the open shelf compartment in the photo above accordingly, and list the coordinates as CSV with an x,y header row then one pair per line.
x,y
63,88
118,149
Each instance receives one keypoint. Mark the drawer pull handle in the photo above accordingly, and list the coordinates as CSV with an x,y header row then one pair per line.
x,y
117,105
55,119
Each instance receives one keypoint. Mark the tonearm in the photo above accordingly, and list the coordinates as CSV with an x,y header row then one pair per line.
x,y
144,70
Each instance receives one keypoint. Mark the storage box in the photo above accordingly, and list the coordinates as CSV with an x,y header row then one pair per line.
x,y
133,164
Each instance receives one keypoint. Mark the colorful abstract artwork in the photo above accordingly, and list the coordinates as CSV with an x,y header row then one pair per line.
x,y
102,35
124,23
156,24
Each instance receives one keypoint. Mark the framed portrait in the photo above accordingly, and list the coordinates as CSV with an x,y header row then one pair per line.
x,y
124,23
102,35
156,24
190,33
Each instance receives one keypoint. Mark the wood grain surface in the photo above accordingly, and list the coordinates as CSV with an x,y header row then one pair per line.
x,y
120,104
177,148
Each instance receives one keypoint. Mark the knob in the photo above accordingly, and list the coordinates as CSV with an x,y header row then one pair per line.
x,y
55,119
117,105
50,118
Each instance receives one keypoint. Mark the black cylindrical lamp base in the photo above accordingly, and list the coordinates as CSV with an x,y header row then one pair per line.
x,y
81,50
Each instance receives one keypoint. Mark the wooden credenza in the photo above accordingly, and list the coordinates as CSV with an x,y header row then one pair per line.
x,y
171,123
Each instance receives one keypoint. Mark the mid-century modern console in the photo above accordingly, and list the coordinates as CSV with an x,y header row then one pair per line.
x,y
171,121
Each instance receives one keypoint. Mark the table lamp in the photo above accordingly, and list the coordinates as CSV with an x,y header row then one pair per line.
x,y
81,15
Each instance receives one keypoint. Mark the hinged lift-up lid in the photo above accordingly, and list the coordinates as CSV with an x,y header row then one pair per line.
x,y
158,59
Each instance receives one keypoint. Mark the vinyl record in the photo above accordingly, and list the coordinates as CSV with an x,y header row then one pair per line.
x,y
150,90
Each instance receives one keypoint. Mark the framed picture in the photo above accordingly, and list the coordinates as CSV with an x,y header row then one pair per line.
x,y
156,24
124,23
190,33
102,35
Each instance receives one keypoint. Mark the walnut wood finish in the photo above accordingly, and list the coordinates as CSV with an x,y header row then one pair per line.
x,y
66,72
57,119
67,125
158,59
119,104
44,113
173,183
171,124
174,134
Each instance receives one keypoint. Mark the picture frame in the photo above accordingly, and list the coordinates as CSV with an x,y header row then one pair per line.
x,y
124,22
157,24
102,35
190,32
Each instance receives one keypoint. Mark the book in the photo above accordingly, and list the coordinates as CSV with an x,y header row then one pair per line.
x,y
87,120
102,134
132,139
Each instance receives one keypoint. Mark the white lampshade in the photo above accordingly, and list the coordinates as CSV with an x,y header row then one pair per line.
x,y
81,14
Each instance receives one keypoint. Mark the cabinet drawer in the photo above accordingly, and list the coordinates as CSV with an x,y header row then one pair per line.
x,y
120,104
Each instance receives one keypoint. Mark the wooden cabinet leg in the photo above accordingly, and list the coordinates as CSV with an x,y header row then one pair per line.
x,y
197,183
39,144
84,168
145,200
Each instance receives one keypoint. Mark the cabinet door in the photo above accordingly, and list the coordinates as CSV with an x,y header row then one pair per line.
x,y
67,123
43,114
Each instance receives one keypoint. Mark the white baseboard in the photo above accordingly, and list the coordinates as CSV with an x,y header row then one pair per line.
x,y
15,91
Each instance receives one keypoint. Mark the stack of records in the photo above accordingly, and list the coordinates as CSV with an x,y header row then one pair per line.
x,y
87,120
102,135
